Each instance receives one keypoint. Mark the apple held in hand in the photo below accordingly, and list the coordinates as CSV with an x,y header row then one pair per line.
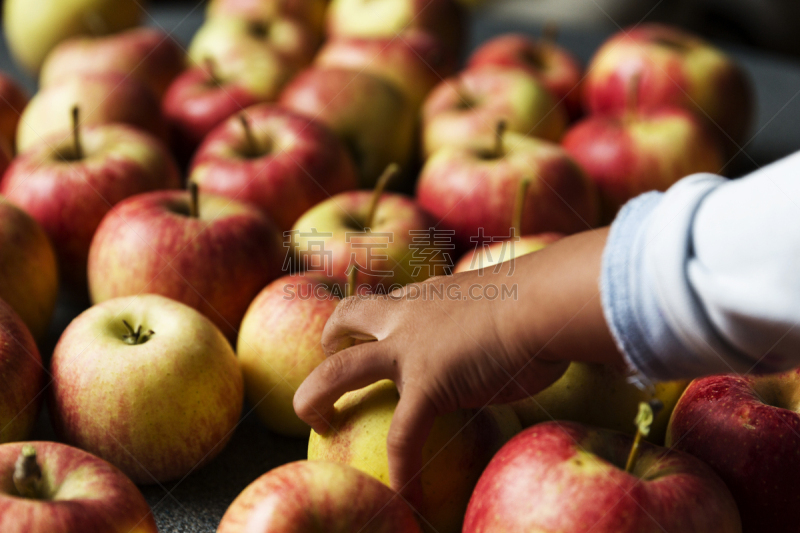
x,y
212,253
47,487
145,54
747,428
22,375
68,185
318,497
676,69
459,447
279,161
13,100
562,477
173,379
370,115
310,12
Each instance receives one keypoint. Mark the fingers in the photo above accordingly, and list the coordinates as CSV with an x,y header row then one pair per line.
x,y
348,370
354,318
411,424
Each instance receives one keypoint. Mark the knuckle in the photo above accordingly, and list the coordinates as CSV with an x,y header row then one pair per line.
x,y
331,370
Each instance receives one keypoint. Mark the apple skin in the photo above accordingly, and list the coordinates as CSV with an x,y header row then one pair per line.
x,y
13,100
70,198
34,27
627,156
466,189
146,54
464,111
157,410
747,429
568,478
216,263
86,494
102,99
370,115
459,447
491,255
675,68
555,66
311,12
415,61
28,268
23,377
303,162
317,497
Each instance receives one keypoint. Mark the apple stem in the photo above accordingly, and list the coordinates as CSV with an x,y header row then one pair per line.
x,y
352,279
550,32
211,69
632,98
519,205
135,336
644,420
194,200
391,171
252,144
28,473
502,125
76,132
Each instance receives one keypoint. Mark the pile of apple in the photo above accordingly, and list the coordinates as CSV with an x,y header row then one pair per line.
x,y
188,193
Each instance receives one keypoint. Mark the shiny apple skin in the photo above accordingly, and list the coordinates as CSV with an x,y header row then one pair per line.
x,y
303,163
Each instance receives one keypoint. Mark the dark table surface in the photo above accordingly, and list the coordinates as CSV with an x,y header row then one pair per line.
x,y
196,503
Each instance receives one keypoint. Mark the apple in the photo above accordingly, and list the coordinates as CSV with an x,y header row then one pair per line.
x,y
747,428
568,478
369,114
491,255
317,497
13,100
473,191
459,447
68,185
555,66
23,378
34,27
210,253
463,111
148,384
66,490
415,61
637,152
279,161
372,19
28,269
146,54
310,12
676,68
103,98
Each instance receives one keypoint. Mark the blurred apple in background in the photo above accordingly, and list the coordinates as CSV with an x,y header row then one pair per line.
x,y
464,111
747,428
173,380
675,68
102,98
66,490
13,100
554,66
279,161
317,497
69,184
473,191
310,12
280,343
499,252
23,378
414,61
459,447
34,27
145,54
371,116
565,477
28,269
214,255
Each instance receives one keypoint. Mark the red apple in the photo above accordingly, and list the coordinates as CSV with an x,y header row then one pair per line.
x,y
277,160
311,12
103,98
69,187
75,491
214,256
676,69
23,377
13,100
567,478
370,115
473,192
555,66
148,384
318,497
747,428
464,111
499,252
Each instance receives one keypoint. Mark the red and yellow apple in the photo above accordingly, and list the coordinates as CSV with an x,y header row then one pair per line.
x,y
310,12
493,254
